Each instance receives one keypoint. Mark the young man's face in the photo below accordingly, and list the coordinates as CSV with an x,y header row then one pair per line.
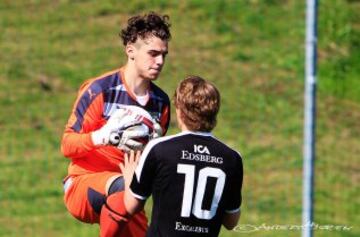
x,y
149,56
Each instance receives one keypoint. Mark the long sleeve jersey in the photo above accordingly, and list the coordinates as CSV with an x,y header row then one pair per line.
x,y
97,100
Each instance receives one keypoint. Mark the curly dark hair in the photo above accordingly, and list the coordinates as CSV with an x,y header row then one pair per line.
x,y
142,26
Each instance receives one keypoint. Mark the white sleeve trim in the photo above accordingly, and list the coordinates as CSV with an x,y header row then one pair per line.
x,y
138,196
233,211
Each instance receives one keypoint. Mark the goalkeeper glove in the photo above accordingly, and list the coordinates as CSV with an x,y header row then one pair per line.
x,y
117,123
133,137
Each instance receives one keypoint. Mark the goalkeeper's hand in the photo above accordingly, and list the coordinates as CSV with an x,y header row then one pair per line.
x,y
135,136
118,124
130,138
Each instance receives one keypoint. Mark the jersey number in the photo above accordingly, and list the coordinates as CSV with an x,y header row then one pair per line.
x,y
204,173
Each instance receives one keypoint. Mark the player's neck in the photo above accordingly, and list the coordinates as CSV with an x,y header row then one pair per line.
x,y
180,122
138,85
184,129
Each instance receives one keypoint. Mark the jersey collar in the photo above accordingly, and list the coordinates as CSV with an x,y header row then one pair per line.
x,y
209,134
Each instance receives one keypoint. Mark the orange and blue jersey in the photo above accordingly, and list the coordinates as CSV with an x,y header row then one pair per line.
x,y
96,101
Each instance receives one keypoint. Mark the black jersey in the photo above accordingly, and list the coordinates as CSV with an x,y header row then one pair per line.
x,y
194,179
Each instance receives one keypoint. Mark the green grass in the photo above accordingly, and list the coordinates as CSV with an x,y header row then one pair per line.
x,y
253,50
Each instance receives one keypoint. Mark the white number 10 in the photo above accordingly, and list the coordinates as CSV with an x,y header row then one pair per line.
x,y
204,173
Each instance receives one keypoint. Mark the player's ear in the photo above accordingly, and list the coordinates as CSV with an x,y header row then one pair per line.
x,y
130,51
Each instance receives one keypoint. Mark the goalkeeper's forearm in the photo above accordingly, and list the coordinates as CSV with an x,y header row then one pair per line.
x,y
74,145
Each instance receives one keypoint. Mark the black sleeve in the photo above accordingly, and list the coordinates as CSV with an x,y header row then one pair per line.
x,y
141,185
235,198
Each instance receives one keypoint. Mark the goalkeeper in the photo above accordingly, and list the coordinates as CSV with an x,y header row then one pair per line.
x,y
94,184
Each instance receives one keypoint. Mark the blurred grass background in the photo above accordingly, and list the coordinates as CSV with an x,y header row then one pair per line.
x,y
253,50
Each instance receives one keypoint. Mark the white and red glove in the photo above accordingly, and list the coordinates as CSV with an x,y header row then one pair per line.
x,y
128,128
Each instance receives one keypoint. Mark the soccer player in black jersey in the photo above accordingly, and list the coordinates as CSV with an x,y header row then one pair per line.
x,y
194,178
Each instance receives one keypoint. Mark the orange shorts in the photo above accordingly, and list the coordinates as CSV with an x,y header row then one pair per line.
x,y
84,195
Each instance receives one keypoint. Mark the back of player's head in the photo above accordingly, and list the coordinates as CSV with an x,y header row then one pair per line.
x,y
146,25
199,102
